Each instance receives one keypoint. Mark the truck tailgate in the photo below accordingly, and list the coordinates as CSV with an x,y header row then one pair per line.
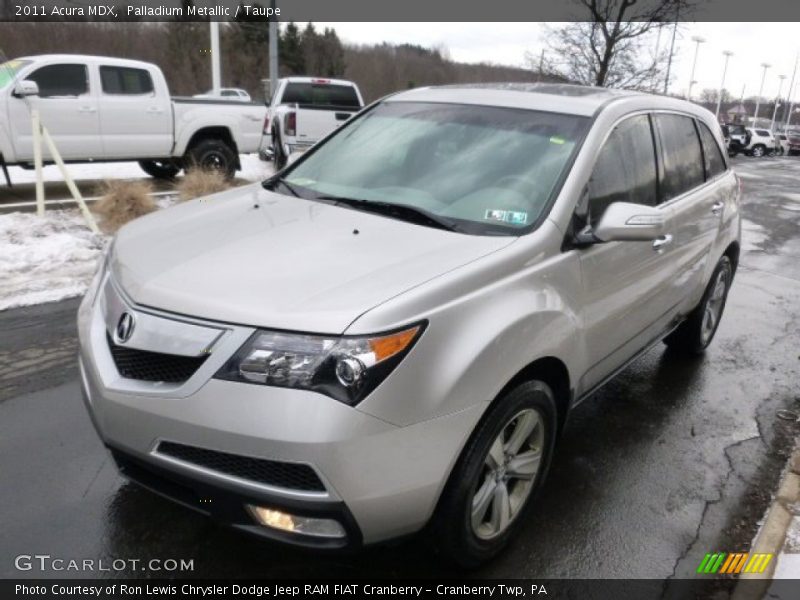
x,y
315,123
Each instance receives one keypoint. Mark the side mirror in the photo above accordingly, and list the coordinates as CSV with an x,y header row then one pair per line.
x,y
26,88
626,222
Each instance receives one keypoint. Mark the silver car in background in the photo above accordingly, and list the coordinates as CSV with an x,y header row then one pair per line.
x,y
390,333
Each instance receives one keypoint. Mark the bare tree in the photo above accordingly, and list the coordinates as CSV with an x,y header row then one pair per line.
x,y
615,46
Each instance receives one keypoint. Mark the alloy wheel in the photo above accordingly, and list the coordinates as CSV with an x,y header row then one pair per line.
x,y
509,473
713,308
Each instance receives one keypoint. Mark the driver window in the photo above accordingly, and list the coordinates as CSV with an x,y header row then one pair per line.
x,y
61,81
625,170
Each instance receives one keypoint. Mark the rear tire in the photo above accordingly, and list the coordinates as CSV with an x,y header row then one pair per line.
x,y
695,334
493,484
758,151
212,154
278,153
160,169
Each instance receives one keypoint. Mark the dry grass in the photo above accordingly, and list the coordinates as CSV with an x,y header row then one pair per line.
x,y
123,201
197,183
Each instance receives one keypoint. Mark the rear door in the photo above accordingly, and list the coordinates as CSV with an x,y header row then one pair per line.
x,y
67,107
624,283
695,200
323,106
135,116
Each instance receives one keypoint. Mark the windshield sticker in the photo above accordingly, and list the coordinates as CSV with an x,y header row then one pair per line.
x,y
557,140
507,216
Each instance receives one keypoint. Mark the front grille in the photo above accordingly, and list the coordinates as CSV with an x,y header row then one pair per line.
x,y
153,366
291,476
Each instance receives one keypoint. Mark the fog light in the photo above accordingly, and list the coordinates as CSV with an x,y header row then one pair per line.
x,y
276,519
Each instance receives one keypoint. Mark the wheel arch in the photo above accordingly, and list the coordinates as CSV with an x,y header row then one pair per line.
x,y
732,252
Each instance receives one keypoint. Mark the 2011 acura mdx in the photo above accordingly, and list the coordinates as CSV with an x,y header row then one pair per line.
x,y
391,332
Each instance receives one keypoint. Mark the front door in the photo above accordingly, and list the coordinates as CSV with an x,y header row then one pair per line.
x,y
625,284
67,108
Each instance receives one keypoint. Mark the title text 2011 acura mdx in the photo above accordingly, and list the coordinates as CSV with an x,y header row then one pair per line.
x,y
392,331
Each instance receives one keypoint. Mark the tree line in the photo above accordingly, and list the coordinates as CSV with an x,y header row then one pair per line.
x,y
182,50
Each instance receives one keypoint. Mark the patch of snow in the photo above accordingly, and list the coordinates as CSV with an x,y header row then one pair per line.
x,y
46,259
255,169
80,171
792,543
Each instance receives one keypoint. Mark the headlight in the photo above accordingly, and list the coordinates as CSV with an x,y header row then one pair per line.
x,y
345,368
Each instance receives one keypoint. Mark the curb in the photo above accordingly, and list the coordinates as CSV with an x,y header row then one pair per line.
x,y
771,537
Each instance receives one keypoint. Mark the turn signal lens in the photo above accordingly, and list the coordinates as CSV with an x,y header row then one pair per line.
x,y
387,346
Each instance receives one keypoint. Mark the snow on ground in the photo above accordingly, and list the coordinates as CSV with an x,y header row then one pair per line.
x,y
44,259
54,257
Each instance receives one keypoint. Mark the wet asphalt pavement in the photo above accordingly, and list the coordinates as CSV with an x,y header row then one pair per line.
x,y
673,459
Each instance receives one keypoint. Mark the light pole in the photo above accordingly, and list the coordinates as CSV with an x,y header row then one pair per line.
x,y
761,89
777,99
215,58
273,50
697,40
728,55
790,93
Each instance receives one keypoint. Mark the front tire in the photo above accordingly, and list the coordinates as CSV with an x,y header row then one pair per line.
x,y
500,471
695,334
160,169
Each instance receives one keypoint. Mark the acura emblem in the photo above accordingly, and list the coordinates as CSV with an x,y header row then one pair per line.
x,y
125,327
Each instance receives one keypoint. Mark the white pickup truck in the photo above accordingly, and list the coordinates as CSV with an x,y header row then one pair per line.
x,y
303,110
109,109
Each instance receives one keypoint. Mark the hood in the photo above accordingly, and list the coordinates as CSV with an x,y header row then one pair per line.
x,y
253,257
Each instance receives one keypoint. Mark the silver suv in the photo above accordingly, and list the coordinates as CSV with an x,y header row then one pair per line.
x,y
390,333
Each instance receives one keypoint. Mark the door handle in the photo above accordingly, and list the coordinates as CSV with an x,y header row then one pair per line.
x,y
660,243
717,207
155,109
87,109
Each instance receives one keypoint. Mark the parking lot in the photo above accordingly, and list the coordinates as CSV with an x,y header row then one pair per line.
x,y
673,459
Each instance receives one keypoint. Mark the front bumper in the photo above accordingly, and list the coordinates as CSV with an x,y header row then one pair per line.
x,y
379,480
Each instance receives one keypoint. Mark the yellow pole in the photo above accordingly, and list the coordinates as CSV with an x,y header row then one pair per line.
x,y
70,184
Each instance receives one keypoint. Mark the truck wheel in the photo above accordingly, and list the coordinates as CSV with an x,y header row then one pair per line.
x,y
501,469
758,151
280,155
160,169
695,334
212,154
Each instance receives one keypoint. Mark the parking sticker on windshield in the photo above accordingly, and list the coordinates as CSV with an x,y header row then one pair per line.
x,y
512,217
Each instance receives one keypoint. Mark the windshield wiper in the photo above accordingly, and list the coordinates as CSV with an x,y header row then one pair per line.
x,y
404,212
270,184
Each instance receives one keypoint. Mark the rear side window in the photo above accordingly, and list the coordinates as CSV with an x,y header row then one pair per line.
x,y
125,80
61,80
714,161
625,170
683,158
762,132
321,94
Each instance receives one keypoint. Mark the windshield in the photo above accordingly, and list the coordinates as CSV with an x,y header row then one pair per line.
x,y
10,69
488,170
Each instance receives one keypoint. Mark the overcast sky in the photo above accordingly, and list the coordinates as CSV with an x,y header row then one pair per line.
x,y
507,43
